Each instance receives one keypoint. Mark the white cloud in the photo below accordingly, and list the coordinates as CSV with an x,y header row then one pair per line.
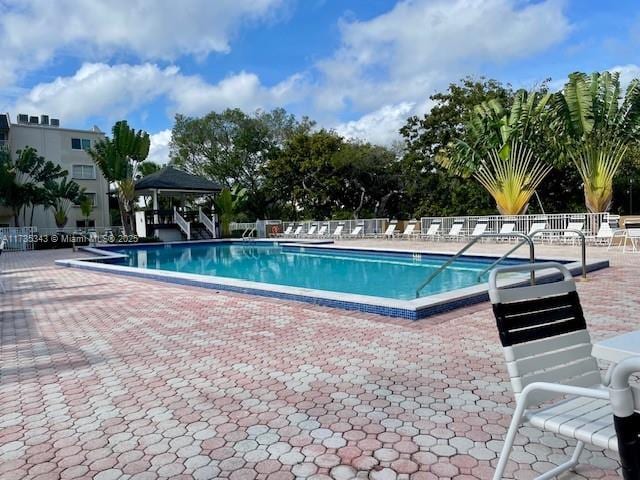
x,y
32,32
113,91
627,73
159,149
419,45
380,126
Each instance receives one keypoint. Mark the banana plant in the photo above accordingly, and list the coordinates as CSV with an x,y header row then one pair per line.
x,y
598,126
512,179
227,205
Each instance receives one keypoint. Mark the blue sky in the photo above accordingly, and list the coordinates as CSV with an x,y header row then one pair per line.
x,y
358,66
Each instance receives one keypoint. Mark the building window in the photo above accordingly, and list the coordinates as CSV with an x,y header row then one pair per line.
x,y
83,172
80,144
90,196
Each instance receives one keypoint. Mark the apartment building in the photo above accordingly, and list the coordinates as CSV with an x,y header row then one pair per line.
x,y
66,147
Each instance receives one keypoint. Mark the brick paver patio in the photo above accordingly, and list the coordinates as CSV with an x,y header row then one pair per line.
x,y
107,377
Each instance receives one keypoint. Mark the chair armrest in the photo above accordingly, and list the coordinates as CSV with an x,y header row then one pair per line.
x,y
621,394
602,394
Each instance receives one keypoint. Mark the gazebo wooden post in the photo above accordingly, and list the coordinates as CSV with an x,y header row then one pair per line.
x,y
156,219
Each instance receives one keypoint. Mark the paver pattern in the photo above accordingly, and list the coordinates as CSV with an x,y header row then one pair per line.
x,y
107,377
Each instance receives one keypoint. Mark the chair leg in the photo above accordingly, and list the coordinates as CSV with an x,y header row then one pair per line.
x,y
563,467
508,442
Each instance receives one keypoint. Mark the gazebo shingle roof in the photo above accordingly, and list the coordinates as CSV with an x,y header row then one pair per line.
x,y
170,178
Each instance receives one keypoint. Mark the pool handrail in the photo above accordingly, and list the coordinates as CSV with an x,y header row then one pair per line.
x,y
525,239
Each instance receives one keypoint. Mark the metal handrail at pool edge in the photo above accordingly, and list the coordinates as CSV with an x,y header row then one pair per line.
x,y
579,233
525,239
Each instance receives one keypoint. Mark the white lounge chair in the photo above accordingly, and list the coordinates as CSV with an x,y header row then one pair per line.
x,y
298,231
536,227
548,353
506,229
605,235
409,230
432,231
390,231
311,231
456,231
2,247
337,233
287,231
357,232
323,230
479,229
568,236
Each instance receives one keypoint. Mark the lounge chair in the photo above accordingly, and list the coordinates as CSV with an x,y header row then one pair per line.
x,y
2,247
337,233
456,231
605,235
409,230
568,236
390,231
298,231
287,231
357,232
311,231
548,353
479,229
432,231
535,228
506,229
323,230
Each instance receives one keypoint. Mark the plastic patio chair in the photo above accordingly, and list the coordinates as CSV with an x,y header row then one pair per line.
x,y
409,230
456,231
432,231
390,231
548,353
337,233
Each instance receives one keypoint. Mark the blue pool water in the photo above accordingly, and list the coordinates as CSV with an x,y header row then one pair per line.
x,y
388,275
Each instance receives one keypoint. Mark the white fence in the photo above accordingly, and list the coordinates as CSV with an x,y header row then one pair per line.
x,y
523,223
18,238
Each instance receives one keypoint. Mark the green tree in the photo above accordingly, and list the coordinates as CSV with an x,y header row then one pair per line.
x,y
598,130
227,205
21,181
233,148
86,207
61,195
118,158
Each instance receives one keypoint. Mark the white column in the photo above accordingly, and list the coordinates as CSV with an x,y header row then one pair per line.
x,y
155,207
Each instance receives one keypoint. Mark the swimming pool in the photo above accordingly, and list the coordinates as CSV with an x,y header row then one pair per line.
x,y
378,274
380,281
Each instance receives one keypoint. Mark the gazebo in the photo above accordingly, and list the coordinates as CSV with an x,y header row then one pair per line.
x,y
175,184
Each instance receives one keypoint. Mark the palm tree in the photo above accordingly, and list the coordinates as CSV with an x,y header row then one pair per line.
x,y
511,181
118,159
597,128
61,195
227,205
508,151
86,207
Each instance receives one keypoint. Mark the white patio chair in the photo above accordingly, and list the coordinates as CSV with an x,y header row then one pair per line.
x,y
536,227
337,233
391,228
287,231
409,230
456,231
357,232
571,237
298,231
632,235
432,231
323,230
479,229
548,353
311,231
605,235
3,244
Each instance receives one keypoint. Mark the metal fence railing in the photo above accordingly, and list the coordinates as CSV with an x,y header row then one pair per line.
x,y
18,239
557,221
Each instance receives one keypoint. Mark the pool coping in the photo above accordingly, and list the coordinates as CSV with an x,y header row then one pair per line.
x,y
413,309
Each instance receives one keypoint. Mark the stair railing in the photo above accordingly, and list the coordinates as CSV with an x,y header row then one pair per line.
x,y
207,222
182,223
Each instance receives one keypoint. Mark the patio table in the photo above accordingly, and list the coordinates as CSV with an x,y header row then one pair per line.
x,y
616,349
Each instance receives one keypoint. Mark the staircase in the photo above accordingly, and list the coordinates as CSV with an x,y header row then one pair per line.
x,y
200,232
